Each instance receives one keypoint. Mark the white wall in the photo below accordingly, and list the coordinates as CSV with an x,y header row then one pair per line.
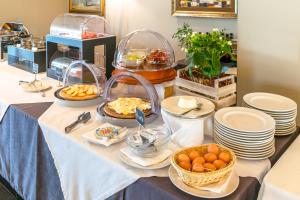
x,y
156,15
269,48
37,15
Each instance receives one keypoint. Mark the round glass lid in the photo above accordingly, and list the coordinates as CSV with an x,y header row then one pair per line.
x,y
122,99
82,81
144,50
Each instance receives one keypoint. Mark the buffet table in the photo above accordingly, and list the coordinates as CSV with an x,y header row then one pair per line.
x,y
27,163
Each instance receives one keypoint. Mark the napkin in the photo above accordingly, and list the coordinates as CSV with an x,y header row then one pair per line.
x,y
91,136
188,132
218,187
145,162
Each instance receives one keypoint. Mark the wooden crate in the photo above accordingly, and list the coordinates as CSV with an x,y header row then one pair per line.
x,y
222,96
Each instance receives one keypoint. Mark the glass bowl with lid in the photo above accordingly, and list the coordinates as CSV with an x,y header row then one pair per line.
x,y
148,142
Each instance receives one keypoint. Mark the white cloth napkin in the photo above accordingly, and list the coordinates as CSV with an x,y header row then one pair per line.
x,y
12,92
163,155
220,186
91,136
188,132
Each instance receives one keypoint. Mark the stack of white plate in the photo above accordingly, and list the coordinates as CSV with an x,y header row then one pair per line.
x,y
248,132
282,109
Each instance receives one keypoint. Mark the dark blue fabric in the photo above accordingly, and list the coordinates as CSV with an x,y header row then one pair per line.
x,y
25,160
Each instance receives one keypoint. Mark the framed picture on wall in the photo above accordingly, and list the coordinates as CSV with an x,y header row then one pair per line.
x,y
87,6
205,8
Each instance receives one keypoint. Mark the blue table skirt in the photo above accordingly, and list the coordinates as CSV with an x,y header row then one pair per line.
x,y
25,160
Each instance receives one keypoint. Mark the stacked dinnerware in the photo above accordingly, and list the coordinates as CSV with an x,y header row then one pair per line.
x,y
282,109
248,132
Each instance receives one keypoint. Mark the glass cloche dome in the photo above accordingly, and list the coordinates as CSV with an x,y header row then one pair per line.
x,y
121,100
80,26
144,50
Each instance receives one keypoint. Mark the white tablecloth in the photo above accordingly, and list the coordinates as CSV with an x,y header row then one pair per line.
x,y
281,182
89,171
12,93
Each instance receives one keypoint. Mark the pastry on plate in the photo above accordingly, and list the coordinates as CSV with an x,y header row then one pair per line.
x,y
125,107
79,92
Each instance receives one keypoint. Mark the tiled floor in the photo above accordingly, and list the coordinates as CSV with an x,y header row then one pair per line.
x,y
6,193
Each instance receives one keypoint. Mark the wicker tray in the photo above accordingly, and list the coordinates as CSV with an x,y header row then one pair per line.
x,y
200,179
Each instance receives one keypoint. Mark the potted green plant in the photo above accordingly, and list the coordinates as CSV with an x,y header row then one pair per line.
x,y
203,54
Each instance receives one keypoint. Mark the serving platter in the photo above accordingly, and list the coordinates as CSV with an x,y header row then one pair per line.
x,y
170,105
75,103
232,186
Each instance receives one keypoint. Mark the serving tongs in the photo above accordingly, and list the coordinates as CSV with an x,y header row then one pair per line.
x,y
83,118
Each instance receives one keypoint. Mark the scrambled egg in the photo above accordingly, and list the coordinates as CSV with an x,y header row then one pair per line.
x,y
127,106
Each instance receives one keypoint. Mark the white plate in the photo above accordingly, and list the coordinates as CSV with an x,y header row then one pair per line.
x,y
270,102
37,87
262,136
131,163
239,137
232,186
273,113
245,140
255,134
243,145
245,119
244,150
170,105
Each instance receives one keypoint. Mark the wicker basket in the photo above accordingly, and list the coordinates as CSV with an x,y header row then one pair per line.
x,y
197,179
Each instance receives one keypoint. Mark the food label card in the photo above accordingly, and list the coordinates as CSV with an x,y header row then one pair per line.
x,y
140,117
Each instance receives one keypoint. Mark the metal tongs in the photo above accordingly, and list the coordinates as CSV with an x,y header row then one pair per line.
x,y
83,118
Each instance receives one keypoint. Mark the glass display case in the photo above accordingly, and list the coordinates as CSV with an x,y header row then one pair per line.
x,y
80,26
11,33
86,34
120,101
150,55
83,85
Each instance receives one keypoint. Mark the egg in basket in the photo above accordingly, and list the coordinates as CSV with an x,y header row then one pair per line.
x,y
120,101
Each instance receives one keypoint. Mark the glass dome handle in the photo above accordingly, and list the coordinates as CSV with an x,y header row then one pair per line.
x,y
83,63
145,83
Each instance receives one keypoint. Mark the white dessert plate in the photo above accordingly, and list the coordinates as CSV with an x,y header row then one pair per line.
x,y
38,86
232,186
245,119
170,105
270,102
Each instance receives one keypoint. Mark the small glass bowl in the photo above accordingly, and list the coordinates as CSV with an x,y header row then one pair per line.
x,y
148,142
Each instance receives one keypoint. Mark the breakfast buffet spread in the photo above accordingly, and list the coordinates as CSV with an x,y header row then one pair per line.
x,y
137,114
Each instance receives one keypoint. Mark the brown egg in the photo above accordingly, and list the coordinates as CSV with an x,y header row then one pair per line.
x,y
183,158
199,160
197,167
219,164
213,148
209,167
210,157
225,156
185,165
194,154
